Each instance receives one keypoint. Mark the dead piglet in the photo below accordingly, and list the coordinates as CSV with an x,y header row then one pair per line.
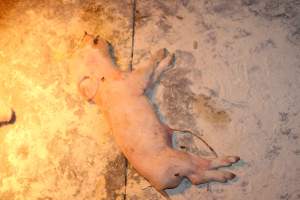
x,y
137,130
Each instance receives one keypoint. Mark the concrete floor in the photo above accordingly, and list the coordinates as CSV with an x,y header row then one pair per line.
x,y
236,83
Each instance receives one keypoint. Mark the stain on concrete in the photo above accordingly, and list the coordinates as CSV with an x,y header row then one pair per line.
x,y
283,116
211,38
195,45
207,109
224,8
177,93
185,2
105,11
286,131
248,2
285,196
297,152
295,195
23,151
241,33
181,103
113,169
267,44
294,35
273,152
167,7
287,12
133,175
163,25
278,9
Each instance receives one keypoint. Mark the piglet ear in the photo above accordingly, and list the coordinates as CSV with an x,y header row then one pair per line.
x,y
88,87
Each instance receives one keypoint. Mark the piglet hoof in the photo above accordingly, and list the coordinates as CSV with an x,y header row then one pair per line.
x,y
223,161
217,176
160,54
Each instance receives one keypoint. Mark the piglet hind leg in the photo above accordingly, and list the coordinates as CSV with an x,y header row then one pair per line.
x,y
205,170
197,169
203,174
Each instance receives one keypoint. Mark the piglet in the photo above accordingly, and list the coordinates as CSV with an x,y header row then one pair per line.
x,y
141,136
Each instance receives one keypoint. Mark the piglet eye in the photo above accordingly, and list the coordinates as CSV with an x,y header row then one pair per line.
x,y
102,79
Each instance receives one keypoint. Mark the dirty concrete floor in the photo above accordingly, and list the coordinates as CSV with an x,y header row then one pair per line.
x,y
235,83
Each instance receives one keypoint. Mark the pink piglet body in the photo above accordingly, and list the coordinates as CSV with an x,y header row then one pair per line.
x,y
141,136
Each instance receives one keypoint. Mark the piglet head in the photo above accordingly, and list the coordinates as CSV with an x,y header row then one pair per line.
x,y
92,63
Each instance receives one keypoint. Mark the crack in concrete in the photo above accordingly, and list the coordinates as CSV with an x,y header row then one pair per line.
x,y
126,179
133,3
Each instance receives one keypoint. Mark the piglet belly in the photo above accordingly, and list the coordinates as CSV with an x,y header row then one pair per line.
x,y
136,128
